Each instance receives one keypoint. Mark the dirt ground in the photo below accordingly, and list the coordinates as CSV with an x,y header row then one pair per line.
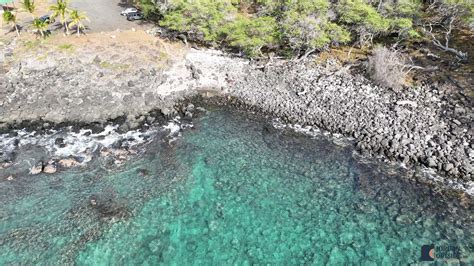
x,y
119,42
133,49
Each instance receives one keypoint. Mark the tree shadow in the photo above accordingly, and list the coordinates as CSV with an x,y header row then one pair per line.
x,y
7,8
125,4
73,30
145,22
38,35
12,29
56,26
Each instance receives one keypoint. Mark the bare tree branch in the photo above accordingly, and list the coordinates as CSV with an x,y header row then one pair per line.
x,y
462,55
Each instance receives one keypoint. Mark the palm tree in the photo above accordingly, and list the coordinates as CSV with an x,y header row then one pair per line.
x,y
41,26
76,19
60,9
10,18
29,6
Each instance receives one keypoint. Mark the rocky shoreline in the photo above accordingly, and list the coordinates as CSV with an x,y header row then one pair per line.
x,y
417,126
413,126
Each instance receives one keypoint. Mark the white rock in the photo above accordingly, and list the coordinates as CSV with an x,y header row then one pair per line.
x,y
50,168
412,103
68,163
37,169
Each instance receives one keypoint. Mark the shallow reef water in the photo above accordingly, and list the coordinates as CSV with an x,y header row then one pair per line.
x,y
232,190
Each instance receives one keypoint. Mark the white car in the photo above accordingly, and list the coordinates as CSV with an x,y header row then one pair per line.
x,y
129,10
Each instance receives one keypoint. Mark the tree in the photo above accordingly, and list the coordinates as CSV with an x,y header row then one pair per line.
x,y
201,19
10,18
306,26
364,19
41,26
29,6
61,10
76,20
303,26
251,35
150,8
450,14
401,15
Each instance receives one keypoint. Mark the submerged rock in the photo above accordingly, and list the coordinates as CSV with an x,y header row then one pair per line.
x,y
404,219
143,172
104,152
50,168
37,168
68,163
337,257
108,207
59,142
5,165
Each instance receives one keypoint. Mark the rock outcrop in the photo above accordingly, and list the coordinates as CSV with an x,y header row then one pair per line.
x,y
413,126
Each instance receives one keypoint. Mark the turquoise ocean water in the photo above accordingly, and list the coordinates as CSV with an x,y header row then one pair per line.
x,y
233,190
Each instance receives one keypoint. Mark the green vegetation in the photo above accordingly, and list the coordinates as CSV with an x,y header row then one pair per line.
x,y
61,10
150,9
76,20
29,6
301,26
31,45
41,26
67,47
251,35
113,66
202,19
10,18
305,26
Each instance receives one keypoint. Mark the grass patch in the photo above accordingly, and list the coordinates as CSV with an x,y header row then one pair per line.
x,y
344,54
42,57
3,41
163,55
67,47
32,45
108,65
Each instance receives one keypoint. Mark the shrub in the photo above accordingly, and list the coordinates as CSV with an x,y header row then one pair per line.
x,y
387,68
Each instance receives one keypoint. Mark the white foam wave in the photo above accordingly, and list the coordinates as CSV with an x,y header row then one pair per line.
x,y
314,132
85,142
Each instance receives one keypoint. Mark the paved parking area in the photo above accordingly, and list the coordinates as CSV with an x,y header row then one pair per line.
x,y
104,15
